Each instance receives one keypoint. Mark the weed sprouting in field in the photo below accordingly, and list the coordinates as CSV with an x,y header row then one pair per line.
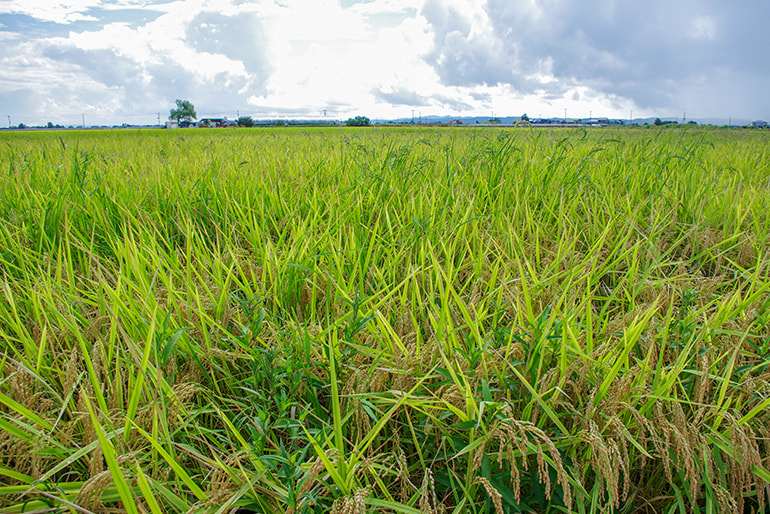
x,y
406,320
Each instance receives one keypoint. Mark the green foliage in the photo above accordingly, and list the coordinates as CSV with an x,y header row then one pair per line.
x,y
401,320
185,111
245,121
358,121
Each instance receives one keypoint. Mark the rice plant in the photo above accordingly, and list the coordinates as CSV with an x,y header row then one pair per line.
x,y
385,320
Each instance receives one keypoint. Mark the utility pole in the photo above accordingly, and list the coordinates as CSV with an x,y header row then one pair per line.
x,y
9,121
565,115
631,117
684,117
83,117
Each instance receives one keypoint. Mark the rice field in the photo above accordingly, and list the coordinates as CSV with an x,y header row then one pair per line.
x,y
415,320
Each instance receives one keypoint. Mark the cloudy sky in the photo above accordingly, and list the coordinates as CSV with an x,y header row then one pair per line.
x,y
115,61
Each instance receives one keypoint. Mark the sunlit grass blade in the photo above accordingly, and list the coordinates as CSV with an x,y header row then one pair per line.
x,y
118,478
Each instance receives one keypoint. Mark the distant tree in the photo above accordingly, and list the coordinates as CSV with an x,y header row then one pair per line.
x,y
524,117
185,111
658,121
245,121
358,121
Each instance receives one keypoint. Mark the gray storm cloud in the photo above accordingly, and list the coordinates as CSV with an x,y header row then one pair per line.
x,y
239,38
401,96
658,54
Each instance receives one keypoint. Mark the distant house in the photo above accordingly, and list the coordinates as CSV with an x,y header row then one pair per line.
x,y
759,124
216,122
210,122
172,124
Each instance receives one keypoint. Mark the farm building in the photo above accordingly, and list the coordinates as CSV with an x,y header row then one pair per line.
x,y
216,122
